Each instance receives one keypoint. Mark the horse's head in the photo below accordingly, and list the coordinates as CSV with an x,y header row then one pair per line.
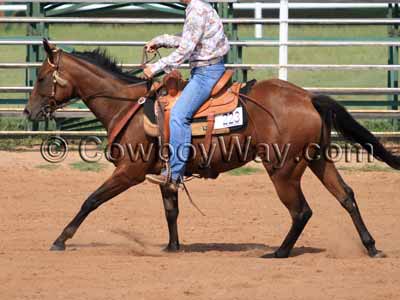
x,y
53,87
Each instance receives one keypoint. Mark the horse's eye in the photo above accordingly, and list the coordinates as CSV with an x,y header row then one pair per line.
x,y
40,79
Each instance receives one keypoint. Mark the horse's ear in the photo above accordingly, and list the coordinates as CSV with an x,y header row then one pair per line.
x,y
49,48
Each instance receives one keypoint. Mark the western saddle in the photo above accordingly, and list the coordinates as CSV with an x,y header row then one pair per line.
x,y
223,99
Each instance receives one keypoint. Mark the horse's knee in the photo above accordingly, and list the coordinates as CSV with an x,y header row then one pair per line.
x,y
171,208
172,214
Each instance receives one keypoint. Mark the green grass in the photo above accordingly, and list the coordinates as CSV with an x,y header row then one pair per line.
x,y
10,144
10,124
88,167
379,125
48,166
17,124
367,168
244,171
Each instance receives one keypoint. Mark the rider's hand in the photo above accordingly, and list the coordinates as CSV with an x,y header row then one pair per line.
x,y
147,72
151,47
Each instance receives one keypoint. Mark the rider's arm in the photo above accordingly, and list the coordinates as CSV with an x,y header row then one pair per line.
x,y
167,41
193,30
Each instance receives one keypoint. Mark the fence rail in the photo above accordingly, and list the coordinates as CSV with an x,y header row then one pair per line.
x,y
62,113
243,21
38,133
317,90
86,113
243,43
240,66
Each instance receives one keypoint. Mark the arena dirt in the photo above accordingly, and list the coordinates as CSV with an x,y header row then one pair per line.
x,y
117,252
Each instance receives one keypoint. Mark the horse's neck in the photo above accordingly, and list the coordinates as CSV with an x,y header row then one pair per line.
x,y
100,83
106,109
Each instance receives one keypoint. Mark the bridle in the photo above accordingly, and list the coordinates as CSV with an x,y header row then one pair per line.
x,y
49,109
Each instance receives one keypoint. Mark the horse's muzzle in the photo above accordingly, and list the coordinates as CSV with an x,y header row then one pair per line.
x,y
27,113
34,116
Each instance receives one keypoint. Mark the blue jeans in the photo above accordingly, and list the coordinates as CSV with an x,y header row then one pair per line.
x,y
196,92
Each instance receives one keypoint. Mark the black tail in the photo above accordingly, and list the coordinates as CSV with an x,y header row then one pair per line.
x,y
333,112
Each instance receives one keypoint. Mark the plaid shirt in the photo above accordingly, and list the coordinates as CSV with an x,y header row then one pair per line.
x,y
203,38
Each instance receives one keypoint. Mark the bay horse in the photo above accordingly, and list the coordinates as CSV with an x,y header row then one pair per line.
x,y
296,117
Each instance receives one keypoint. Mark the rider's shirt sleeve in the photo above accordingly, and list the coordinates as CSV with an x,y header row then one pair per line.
x,y
167,41
192,32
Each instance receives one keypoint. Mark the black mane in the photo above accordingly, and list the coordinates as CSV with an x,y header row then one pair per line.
x,y
102,59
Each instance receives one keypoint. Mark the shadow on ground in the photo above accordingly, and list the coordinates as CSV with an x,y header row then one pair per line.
x,y
244,247
143,248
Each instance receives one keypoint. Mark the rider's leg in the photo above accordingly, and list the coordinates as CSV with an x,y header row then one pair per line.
x,y
193,96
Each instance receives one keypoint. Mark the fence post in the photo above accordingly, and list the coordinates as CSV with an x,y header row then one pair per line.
x,y
35,52
258,28
225,10
283,38
393,75
237,54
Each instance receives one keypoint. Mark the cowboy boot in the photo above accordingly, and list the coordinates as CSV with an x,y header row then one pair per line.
x,y
163,180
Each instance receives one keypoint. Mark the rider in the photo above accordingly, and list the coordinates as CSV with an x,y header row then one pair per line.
x,y
204,44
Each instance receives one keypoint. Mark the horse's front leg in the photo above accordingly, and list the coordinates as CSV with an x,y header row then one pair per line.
x,y
170,200
116,184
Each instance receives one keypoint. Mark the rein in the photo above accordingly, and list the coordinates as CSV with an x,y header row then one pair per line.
x,y
104,94
145,57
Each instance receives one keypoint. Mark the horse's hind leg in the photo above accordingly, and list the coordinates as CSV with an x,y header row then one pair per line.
x,y
287,185
170,200
330,177
116,184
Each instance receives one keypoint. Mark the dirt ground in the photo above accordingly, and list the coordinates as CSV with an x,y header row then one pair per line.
x,y
117,254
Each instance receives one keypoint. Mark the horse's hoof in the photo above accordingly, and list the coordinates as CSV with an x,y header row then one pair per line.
x,y
378,254
276,254
57,247
268,255
171,248
281,254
